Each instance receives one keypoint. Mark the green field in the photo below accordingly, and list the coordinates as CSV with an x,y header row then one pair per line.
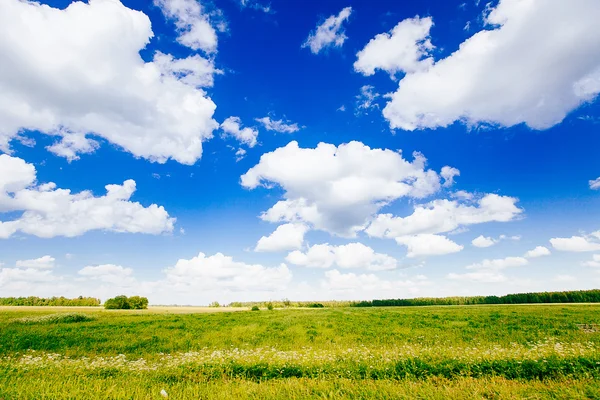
x,y
485,352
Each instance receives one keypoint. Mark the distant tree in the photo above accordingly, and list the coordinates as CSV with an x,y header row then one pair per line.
x,y
117,303
214,304
138,303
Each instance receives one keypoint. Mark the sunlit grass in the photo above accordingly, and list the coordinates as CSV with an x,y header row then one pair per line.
x,y
428,352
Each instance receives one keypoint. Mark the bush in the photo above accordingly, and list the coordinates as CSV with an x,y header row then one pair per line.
x,y
316,305
214,304
56,318
255,308
124,303
270,306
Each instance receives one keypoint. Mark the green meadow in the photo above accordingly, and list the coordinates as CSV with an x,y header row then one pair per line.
x,y
438,352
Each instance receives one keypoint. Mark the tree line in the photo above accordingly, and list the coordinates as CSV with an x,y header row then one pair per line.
x,y
576,296
50,301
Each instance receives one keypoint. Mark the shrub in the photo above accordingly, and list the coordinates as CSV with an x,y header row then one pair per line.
x,y
255,308
315,305
270,306
214,304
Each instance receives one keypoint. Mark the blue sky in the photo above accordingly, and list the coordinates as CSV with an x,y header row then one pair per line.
x,y
306,125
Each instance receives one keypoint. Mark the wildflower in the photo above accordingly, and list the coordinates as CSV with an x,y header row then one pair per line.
x,y
164,394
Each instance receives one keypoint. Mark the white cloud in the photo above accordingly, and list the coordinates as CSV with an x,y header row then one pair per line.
x,y
109,273
338,189
279,125
594,263
448,173
285,237
352,255
440,216
45,262
256,6
528,65
329,33
240,154
48,212
539,251
192,22
427,244
220,272
19,278
233,126
595,184
577,243
350,282
404,49
499,263
479,276
482,241
365,101
95,83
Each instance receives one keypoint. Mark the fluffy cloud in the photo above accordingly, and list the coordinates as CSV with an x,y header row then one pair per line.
x,y
448,173
528,65
595,184
539,251
223,273
365,101
352,255
109,273
285,237
577,243
96,83
349,282
337,189
404,49
440,216
482,241
479,276
329,33
233,126
48,212
195,30
488,271
427,244
279,125
594,263
45,262
499,263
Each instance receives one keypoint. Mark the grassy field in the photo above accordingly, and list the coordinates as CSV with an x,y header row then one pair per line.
x,y
480,352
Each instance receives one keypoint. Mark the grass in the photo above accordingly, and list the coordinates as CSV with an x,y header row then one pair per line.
x,y
486,352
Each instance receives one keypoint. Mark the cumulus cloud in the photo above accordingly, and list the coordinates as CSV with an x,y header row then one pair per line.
x,y
233,126
329,33
337,281
45,262
46,211
95,83
594,263
109,273
285,237
192,22
539,251
499,263
365,101
488,271
338,189
352,255
223,273
589,242
448,173
440,216
528,65
482,241
427,244
595,184
405,48
256,6
279,125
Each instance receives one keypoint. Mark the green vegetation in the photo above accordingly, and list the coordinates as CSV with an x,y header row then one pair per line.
x,y
52,301
579,296
495,351
126,303
56,318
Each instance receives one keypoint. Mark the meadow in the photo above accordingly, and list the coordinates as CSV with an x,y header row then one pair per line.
x,y
438,352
